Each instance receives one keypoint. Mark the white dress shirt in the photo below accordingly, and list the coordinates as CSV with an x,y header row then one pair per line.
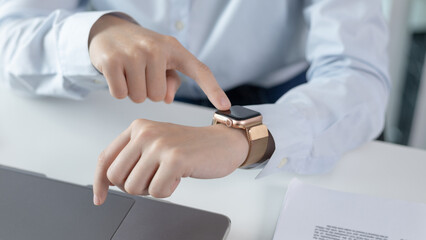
x,y
44,51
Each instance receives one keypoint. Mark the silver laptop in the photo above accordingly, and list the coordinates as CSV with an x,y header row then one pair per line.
x,y
38,208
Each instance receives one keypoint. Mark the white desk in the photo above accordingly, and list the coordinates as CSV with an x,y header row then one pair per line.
x,y
62,139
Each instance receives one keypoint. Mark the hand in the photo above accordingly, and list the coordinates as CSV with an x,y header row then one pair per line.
x,y
151,157
140,63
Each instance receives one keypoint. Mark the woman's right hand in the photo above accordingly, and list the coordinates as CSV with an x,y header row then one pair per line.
x,y
140,63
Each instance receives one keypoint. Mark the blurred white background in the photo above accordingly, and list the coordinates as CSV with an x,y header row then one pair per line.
x,y
406,116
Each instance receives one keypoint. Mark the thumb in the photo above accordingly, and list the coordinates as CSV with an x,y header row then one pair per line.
x,y
173,83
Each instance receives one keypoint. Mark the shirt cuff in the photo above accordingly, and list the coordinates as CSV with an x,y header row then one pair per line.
x,y
293,139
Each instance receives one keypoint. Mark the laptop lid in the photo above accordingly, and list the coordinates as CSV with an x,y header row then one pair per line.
x,y
35,207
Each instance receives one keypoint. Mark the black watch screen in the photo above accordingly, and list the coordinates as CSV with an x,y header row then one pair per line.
x,y
239,113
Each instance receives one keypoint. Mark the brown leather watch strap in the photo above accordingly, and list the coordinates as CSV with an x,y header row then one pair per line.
x,y
270,149
258,153
260,145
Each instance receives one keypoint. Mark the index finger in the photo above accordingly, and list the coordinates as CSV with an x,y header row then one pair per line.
x,y
101,183
186,63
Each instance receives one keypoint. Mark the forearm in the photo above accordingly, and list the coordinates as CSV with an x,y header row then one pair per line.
x,y
343,104
315,124
45,51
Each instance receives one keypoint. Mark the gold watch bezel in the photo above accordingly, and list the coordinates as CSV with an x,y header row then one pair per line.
x,y
243,124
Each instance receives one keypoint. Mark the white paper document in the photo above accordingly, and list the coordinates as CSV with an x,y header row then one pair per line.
x,y
311,212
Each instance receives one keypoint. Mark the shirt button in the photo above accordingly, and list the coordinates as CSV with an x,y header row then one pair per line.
x,y
179,25
97,81
282,163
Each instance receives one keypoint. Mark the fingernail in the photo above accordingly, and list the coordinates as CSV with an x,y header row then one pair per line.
x,y
224,101
96,200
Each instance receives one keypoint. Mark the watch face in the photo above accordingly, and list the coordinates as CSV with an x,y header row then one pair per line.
x,y
239,113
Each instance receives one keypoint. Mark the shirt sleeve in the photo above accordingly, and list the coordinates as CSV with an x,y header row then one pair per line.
x,y
343,104
44,47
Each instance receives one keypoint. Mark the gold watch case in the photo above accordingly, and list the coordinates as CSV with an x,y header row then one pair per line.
x,y
257,135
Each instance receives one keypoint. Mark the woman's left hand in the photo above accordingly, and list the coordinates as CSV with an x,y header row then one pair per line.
x,y
151,157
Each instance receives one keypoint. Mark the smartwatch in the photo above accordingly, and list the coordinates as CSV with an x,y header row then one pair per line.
x,y
261,143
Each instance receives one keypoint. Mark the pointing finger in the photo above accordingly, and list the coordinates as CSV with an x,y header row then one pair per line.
x,y
101,183
183,61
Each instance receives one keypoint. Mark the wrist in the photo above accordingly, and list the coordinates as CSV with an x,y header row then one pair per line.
x,y
237,139
259,139
104,22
